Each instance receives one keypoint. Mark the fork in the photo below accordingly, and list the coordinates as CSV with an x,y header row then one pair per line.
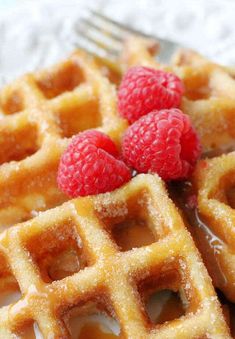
x,y
103,37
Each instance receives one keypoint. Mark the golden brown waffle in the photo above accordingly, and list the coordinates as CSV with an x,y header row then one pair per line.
x,y
116,279
209,100
75,258
209,97
214,180
38,113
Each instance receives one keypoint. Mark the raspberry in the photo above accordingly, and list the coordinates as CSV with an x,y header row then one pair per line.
x,y
90,166
145,89
162,142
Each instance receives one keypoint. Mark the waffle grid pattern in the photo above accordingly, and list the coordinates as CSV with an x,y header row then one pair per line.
x,y
209,91
209,101
38,112
39,115
110,272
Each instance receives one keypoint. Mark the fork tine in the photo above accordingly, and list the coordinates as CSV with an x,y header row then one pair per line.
x,y
168,47
98,28
118,25
101,33
110,62
88,49
94,49
98,42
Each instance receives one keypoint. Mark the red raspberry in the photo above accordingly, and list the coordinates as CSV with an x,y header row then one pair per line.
x,y
90,166
145,89
162,142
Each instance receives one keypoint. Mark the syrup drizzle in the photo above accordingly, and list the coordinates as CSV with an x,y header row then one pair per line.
x,y
100,326
204,238
215,243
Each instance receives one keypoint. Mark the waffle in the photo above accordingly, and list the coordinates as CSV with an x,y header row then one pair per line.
x,y
39,114
209,101
209,92
115,279
74,260
213,104
214,181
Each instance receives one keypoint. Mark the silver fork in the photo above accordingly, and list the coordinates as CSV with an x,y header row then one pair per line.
x,y
103,37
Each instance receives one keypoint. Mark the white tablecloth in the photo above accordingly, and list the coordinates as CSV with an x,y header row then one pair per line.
x,y
36,33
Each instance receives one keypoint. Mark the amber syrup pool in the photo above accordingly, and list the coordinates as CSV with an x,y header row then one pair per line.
x,y
208,243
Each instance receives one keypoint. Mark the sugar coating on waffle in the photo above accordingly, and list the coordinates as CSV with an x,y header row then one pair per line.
x,y
71,259
209,101
39,113
112,278
209,91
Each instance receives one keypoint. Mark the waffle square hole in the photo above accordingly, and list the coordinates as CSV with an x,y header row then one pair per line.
x,y
133,223
162,296
165,305
57,252
77,117
29,330
14,146
197,86
12,102
225,191
9,288
92,320
63,79
9,294
230,195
